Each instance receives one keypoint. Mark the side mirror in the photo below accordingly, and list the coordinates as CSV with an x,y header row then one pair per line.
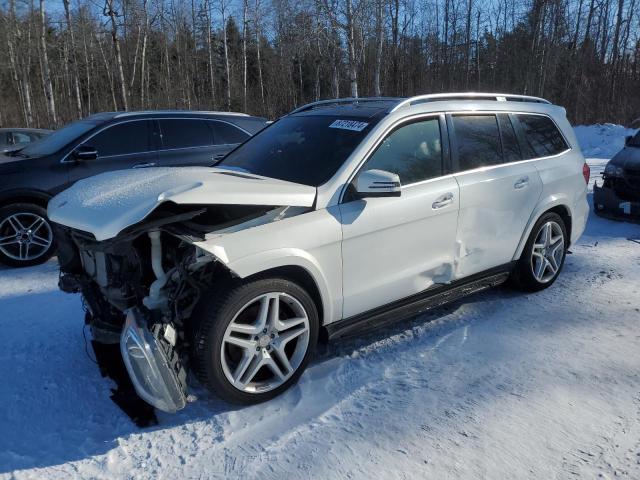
x,y
627,139
84,153
378,183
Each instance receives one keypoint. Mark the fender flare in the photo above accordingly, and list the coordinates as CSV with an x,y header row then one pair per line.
x,y
543,206
285,257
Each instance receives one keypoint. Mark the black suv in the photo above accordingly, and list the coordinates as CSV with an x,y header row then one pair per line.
x,y
29,177
619,194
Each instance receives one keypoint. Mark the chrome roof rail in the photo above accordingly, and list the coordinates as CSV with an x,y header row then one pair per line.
x,y
186,112
341,101
500,97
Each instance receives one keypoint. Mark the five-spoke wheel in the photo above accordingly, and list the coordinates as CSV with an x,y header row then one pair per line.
x,y
26,238
265,342
252,340
543,255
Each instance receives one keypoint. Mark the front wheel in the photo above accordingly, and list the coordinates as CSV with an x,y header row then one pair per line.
x,y
253,340
543,255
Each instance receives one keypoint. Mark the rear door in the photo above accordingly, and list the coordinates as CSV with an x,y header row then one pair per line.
x,y
187,142
498,190
129,144
226,137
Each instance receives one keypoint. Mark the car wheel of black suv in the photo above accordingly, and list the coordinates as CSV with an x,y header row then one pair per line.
x,y
543,255
252,340
26,237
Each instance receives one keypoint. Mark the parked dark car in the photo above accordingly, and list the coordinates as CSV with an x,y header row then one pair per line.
x,y
30,176
13,138
619,194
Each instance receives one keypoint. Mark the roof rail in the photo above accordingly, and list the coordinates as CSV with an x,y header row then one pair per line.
x,y
139,112
500,97
340,101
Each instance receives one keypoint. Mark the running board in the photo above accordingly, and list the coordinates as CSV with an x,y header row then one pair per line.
x,y
417,304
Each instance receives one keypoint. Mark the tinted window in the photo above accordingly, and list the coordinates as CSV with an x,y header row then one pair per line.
x,y
19,137
60,138
541,136
413,151
184,133
225,134
3,138
125,138
510,146
301,149
478,141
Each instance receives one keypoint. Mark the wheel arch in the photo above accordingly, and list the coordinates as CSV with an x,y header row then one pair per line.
x,y
298,266
24,196
558,206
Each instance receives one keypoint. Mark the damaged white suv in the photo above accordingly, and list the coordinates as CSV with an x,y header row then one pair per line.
x,y
342,214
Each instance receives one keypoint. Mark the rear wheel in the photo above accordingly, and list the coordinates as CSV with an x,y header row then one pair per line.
x,y
26,237
253,340
543,255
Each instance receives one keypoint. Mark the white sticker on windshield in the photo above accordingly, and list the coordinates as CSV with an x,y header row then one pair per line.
x,y
349,125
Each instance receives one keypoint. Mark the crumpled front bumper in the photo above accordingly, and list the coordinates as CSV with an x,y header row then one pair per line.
x,y
607,203
149,366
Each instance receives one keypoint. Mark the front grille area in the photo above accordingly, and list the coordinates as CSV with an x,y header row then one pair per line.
x,y
628,187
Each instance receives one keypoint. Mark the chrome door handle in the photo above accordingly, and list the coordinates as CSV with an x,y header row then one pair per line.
x,y
443,201
523,182
144,165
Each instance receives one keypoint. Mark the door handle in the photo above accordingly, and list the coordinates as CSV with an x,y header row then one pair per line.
x,y
144,165
523,182
443,201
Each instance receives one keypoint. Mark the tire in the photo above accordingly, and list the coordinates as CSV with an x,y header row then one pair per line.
x,y
26,236
531,273
226,358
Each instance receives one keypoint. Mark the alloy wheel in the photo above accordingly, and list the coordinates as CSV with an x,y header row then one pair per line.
x,y
25,236
265,342
547,252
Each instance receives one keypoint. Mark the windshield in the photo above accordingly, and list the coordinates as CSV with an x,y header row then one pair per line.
x,y
635,141
307,150
59,139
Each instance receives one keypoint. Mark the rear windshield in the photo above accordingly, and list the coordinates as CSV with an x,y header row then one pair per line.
x,y
59,139
307,150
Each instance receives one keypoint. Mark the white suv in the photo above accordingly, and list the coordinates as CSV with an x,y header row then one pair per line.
x,y
342,214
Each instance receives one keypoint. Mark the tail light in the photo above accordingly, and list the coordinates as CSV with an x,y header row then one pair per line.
x,y
586,172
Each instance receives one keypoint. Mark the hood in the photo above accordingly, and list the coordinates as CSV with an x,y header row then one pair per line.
x,y
628,157
106,204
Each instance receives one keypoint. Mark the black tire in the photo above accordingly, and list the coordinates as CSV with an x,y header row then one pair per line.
x,y
210,320
12,252
523,276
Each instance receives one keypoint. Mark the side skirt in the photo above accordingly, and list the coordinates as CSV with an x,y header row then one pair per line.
x,y
419,303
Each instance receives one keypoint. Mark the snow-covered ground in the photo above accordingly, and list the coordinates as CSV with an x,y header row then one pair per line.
x,y
501,385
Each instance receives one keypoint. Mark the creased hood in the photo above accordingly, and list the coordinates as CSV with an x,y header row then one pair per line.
x,y
106,204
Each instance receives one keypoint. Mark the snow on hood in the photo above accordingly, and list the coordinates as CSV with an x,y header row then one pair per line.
x,y
108,203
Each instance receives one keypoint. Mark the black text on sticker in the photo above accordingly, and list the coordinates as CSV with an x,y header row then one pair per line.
x,y
349,125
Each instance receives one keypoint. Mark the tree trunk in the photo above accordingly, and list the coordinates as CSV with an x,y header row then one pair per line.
x,y
377,90
46,73
113,15
74,58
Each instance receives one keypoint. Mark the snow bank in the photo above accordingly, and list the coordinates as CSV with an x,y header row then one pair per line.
x,y
602,140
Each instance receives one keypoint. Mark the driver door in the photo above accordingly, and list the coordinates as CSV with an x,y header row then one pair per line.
x,y
394,247
129,144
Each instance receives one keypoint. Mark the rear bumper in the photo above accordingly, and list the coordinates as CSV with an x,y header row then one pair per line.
x,y
607,203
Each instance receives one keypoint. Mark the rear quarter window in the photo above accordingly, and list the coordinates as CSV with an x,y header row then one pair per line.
x,y
541,136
